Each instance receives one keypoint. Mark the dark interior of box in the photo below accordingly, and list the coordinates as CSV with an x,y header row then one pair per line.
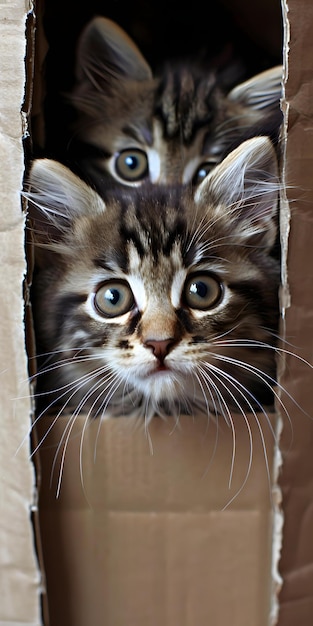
x,y
225,34
249,35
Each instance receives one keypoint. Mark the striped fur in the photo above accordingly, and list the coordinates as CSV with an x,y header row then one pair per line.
x,y
160,299
174,125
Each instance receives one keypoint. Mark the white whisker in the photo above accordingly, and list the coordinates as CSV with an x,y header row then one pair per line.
x,y
265,378
116,381
220,374
70,426
217,373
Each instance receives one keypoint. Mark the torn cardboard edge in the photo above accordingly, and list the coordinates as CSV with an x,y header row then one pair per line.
x,y
284,298
19,573
295,480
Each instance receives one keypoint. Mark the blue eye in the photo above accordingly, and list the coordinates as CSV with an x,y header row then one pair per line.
x,y
132,165
113,298
202,291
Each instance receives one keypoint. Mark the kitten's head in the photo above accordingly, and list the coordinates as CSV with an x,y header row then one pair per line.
x,y
169,128
161,299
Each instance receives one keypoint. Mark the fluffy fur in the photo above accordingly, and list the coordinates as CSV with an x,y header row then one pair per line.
x,y
171,127
160,300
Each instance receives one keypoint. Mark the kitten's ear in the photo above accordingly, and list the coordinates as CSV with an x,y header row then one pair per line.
x,y
262,91
243,190
106,53
57,196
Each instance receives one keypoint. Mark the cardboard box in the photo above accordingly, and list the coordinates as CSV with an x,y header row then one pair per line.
x,y
296,563
19,572
170,525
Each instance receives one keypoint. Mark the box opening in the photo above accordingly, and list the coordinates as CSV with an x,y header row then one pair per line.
x,y
164,31
145,515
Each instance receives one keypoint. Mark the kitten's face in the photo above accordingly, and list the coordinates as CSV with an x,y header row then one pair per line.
x,y
160,301
174,128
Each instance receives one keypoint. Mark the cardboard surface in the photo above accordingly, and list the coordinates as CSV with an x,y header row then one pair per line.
x,y
138,534
296,565
19,576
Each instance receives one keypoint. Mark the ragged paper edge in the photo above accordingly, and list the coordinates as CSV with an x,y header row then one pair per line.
x,y
284,299
26,113
21,579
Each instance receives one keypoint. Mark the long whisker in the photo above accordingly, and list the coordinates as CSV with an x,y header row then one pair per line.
x,y
209,382
261,344
63,363
77,385
70,426
103,407
208,413
243,391
268,380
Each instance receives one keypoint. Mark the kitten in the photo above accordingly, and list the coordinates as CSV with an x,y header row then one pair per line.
x,y
173,127
160,300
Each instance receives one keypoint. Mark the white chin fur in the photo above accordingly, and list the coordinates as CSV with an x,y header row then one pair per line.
x,y
158,386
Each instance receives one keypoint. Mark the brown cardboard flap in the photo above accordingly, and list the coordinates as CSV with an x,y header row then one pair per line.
x,y
138,532
296,564
19,576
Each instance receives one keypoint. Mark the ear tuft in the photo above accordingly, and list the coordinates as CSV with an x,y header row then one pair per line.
x,y
262,91
244,187
57,195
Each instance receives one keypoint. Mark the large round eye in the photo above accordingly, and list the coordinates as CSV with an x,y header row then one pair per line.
x,y
203,171
113,298
202,292
132,165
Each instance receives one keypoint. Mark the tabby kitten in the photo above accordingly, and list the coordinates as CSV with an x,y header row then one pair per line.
x,y
160,300
173,127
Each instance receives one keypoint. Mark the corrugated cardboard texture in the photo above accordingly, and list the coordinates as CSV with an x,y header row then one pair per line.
x,y
296,564
138,534
19,578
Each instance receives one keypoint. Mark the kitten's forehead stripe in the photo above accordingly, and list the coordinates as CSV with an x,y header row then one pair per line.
x,y
153,227
185,103
132,234
165,240
115,262
103,264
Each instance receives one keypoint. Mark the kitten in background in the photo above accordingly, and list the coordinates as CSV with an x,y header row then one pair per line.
x,y
173,127
158,300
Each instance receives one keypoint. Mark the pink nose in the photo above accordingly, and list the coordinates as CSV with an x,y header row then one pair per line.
x,y
160,348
